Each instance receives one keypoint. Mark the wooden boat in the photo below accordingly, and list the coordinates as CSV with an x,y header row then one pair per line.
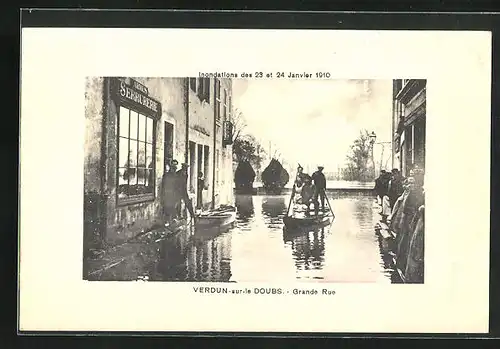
x,y
297,222
296,218
216,218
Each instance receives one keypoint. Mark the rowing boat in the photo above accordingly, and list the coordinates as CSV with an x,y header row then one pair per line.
x,y
216,218
294,222
300,217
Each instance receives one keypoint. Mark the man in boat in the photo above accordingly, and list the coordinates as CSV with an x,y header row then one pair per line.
x,y
320,185
307,195
300,179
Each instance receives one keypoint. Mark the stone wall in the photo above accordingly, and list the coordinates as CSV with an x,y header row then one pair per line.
x,y
93,204
126,221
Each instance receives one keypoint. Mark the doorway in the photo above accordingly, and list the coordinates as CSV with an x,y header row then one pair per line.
x,y
200,175
168,145
192,165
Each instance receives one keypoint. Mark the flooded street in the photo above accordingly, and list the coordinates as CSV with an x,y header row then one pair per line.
x,y
256,249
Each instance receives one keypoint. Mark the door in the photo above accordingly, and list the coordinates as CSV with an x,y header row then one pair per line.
x,y
199,176
168,145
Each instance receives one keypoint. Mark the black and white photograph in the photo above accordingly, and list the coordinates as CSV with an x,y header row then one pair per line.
x,y
254,180
227,180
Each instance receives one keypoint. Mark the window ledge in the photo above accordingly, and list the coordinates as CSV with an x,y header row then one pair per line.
x,y
136,199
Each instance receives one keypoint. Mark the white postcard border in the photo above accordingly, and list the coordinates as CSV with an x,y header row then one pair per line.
x,y
55,62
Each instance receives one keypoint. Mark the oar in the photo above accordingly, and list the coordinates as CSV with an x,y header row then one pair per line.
x,y
328,202
291,199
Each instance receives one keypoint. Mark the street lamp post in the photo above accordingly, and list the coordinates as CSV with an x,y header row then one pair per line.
x,y
373,138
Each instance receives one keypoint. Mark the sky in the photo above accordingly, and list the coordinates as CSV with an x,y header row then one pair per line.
x,y
299,116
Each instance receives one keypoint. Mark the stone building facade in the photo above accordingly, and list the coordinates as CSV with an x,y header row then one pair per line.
x,y
408,124
135,127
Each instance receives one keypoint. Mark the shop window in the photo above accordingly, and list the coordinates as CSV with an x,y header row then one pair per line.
x,y
410,149
419,141
136,159
203,89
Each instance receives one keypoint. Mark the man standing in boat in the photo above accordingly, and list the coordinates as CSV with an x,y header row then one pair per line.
x,y
301,177
320,186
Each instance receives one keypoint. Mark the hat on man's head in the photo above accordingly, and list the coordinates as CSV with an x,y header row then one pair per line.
x,y
320,167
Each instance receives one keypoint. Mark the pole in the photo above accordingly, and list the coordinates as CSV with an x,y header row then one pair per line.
x,y
381,157
373,161
328,202
291,199
293,194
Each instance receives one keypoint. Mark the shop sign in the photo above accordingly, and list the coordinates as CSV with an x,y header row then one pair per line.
x,y
227,137
136,96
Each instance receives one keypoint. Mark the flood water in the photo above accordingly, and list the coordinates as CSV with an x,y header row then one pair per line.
x,y
256,249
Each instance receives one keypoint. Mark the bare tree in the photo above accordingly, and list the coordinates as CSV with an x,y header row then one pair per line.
x,y
239,123
358,159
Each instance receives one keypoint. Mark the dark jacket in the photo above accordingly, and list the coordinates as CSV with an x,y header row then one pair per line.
x,y
302,178
395,188
319,180
182,182
382,184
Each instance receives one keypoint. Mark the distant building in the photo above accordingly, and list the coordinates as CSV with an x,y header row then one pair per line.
x,y
408,124
135,127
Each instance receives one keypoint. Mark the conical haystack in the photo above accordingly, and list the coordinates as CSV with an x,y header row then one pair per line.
x,y
275,177
244,177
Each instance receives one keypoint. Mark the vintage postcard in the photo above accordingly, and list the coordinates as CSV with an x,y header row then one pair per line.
x,y
285,181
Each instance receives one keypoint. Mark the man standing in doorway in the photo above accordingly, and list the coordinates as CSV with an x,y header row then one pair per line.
x,y
173,166
183,192
201,187
320,184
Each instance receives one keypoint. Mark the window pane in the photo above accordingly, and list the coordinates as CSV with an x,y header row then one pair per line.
x,y
122,182
123,152
124,118
149,130
141,177
149,180
133,124
142,127
149,156
133,153
142,155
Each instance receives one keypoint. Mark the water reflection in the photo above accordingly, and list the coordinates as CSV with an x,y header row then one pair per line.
x,y
308,248
273,210
258,249
244,207
196,256
273,206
